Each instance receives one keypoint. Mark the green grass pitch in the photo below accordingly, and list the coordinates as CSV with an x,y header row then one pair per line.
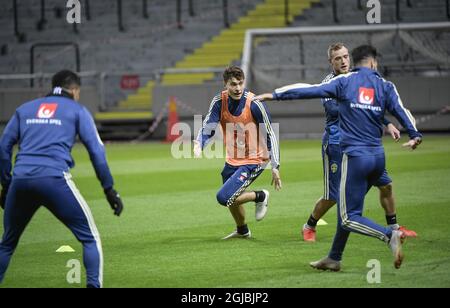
x,y
169,233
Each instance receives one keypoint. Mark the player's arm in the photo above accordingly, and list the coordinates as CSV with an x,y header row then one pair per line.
x,y
395,106
262,117
89,137
391,129
9,138
331,107
210,123
330,89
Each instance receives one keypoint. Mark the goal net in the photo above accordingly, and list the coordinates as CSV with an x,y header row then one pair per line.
x,y
276,57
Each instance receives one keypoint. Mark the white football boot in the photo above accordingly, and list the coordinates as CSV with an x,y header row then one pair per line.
x,y
235,234
261,207
395,244
326,264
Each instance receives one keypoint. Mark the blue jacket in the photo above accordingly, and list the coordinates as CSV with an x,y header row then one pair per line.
x,y
363,98
331,106
45,130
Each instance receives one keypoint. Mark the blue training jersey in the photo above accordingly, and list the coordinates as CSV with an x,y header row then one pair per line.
x,y
363,98
331,106
259,113
46,130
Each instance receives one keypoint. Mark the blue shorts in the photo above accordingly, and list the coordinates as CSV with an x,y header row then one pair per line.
x,y
384,180
332,161
236,180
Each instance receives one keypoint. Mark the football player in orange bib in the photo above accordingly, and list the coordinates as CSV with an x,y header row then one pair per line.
x,y
250,144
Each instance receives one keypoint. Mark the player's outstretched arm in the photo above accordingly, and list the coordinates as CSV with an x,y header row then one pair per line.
x,y
265,97
330,89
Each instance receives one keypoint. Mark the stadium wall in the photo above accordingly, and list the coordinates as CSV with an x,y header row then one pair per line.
x,y
10,99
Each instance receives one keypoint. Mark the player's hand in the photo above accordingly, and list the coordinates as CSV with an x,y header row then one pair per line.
x,y
197,149
413,143
276,179
394,132
114,201
265,97
3,197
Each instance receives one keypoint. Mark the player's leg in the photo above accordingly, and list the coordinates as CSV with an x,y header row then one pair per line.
x,y
387,201
21,204
245,197
65,202
332,159
332,262
356,174
384,182
237,212
233,195
321,207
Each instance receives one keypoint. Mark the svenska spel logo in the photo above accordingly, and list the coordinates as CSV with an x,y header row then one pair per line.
x,y
366,96
47,111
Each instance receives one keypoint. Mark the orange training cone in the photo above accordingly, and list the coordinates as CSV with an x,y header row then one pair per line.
x,y
172,119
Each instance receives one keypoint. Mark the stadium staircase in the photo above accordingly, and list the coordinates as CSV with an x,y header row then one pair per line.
x,y
226,48
221,51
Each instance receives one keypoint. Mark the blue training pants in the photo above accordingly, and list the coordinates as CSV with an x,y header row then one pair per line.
x,y
61,197
358,175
